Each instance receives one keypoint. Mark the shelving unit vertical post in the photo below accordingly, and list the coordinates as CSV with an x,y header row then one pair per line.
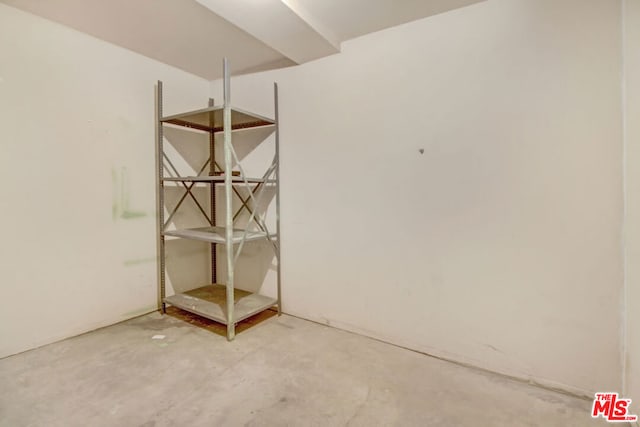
x,y
160,197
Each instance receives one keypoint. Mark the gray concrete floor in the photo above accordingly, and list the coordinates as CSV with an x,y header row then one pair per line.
x,y
283,371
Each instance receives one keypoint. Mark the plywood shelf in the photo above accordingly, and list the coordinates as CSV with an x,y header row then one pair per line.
x,y
215,234
211,119
216,179
210,302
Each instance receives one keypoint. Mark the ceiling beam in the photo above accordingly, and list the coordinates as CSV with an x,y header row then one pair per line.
x,y
283,25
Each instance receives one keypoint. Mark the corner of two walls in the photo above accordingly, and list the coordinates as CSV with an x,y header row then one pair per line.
x,y
452,185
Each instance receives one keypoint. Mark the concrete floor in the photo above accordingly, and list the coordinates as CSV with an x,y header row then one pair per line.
x,y
283,371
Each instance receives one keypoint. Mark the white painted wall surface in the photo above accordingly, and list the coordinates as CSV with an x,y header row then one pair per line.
x,y
77,168
632,193
500,245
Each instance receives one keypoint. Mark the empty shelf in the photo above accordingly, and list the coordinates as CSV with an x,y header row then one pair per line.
x,y
210,119
216,179
215,234
210,302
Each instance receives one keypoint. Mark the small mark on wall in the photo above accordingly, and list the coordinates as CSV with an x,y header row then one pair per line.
x,y
120,208
494,348
138,261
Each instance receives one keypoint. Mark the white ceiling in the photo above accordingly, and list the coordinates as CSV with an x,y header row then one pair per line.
x,y
194,35
181,33
354,18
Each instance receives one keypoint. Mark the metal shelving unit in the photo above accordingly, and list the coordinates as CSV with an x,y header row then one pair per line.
x,y
223,303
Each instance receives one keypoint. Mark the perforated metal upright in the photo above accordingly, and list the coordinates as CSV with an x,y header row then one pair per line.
x,y
223,303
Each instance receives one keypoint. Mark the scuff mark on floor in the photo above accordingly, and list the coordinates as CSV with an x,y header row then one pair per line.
x,y
360,407
139,312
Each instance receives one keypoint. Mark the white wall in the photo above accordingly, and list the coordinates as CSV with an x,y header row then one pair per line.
x,y
632,193
500,245
77,166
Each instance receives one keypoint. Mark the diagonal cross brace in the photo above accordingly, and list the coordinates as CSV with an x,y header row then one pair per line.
x,y
187,192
